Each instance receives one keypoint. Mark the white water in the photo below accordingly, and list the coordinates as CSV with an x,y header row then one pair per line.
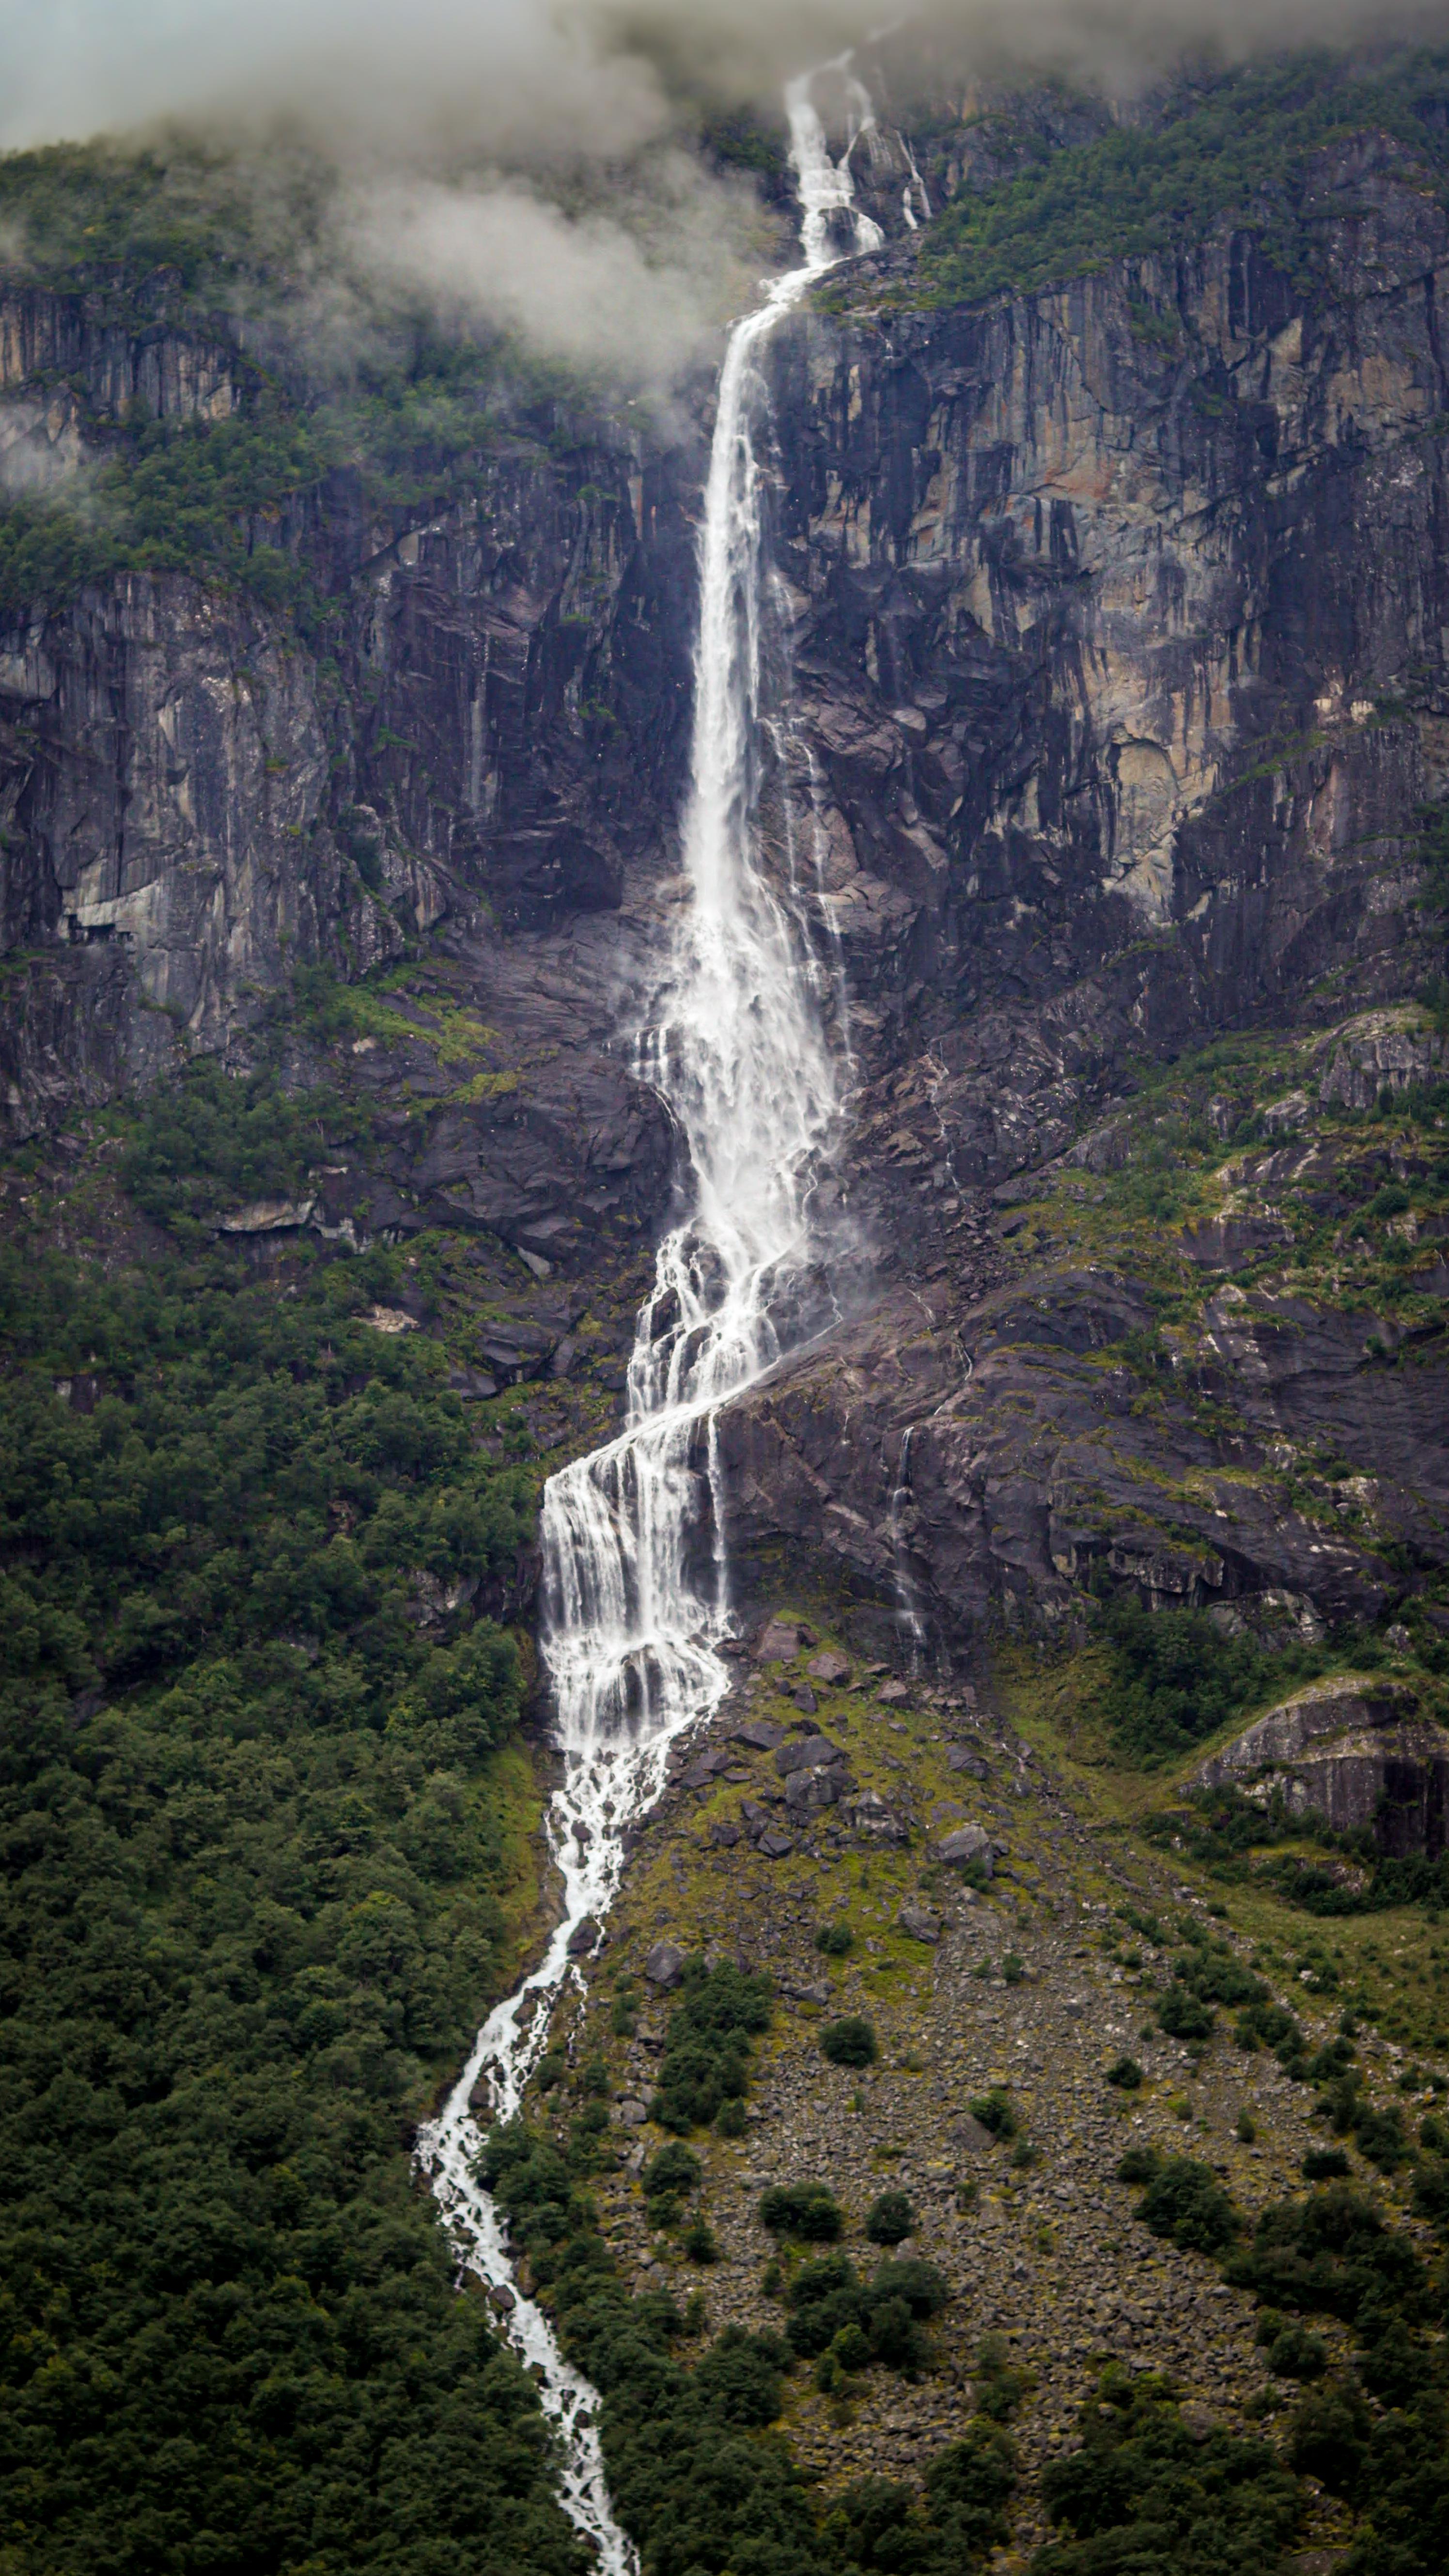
x,y
635,1579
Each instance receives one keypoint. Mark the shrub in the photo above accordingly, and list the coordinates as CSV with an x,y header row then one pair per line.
x,y
1325,2164
833,2311
806,2210
849,2041
835,1940
1183,2016
1297,2354
889,2218
1185,2202
707,2044
995,2112
1144,2492
673,2171
1125,2073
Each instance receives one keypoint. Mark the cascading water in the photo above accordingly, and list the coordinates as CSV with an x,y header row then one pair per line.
x,y
635,1591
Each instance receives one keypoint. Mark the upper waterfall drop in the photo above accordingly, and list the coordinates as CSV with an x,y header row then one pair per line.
x,y
635,1590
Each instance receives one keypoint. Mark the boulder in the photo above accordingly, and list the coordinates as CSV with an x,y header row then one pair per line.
x,y
964,1844
584,1938
758,1732
664,1966
894,1694
724,1835
777,1642
918,1922
809,1793
879,1823
961,1758
831,1670
804,1699
807,1753
775,1845
1351,1750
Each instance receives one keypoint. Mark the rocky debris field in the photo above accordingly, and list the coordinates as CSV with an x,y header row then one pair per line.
x,y
1012,1975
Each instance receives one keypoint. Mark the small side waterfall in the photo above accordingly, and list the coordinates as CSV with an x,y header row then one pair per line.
x,y
635,1580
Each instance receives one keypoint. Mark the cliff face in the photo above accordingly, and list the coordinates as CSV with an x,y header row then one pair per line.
x,y
1120,638
1117,619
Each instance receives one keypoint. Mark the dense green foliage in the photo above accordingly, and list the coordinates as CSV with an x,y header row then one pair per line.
x,y
807,2211
1375,2433
890,2218
704,2071
254,1856
1224,1829
1244,149
850,2041
955,2523
844,2323
1145,2492
1176,1678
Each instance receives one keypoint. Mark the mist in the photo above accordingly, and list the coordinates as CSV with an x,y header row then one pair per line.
x,y
528,165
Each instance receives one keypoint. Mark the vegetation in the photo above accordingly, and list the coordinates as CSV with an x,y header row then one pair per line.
x,y
1373,2432
698,2475
890,2218
1242,146
844,2324
808,2211
1343,1873
704,2072
190,233
1146,2491
261,1827
1176,1678
850,2041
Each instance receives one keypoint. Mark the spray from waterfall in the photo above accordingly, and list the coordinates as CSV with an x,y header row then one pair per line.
x,y
635,1581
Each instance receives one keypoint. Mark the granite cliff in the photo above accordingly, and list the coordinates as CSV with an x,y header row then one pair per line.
x,y
1110,767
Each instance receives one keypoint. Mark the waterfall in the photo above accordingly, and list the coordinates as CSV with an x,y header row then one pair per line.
x,y
635,1582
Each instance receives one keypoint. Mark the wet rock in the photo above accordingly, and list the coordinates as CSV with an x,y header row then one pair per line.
x,y
701,1773
962,1758
831,1670
809,1793
808,1753
964,1844
664,1966
919,1923
877,1822
502,2298
584,1938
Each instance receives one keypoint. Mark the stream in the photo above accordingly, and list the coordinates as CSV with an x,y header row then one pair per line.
x,y
635,1577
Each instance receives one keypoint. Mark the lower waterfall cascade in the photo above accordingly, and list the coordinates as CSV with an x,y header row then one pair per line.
x,y
635,1593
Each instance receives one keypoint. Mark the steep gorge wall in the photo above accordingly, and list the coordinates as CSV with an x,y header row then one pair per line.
x,y
1116,619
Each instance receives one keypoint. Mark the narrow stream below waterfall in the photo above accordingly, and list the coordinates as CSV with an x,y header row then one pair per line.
x,y
635,1583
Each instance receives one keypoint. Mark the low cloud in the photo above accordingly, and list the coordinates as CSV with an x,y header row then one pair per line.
x,y
636,297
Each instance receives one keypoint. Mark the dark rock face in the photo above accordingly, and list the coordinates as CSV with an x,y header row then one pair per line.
x,y
1117,666
1351,1751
